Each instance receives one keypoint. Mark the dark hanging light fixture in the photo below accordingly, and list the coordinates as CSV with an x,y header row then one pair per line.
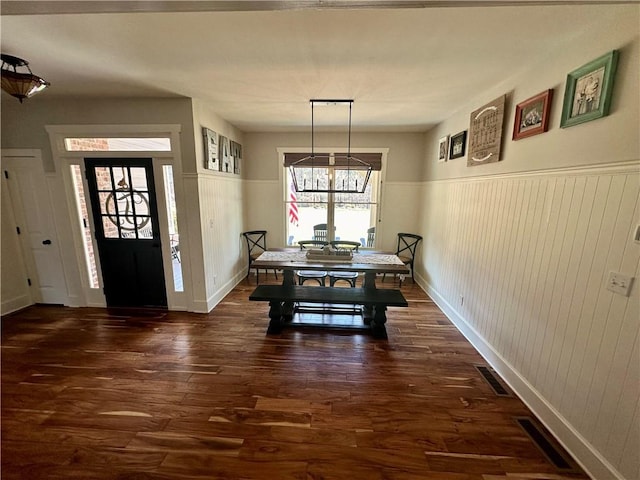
x,y
20,84
315,173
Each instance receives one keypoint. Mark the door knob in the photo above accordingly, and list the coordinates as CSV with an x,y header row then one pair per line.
x,y
46,242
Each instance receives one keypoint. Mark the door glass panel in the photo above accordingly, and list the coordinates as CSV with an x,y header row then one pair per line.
x,y
144,230
83,220
110,228
107,205
174,236
140,202
103,178
138,178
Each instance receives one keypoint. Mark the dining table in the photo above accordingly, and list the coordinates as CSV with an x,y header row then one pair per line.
x,y
369,263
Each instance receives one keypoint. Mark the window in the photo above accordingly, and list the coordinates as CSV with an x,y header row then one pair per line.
x,y
344,216
124,144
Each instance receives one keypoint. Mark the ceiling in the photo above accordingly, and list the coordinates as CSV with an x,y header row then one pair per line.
x,y
407,65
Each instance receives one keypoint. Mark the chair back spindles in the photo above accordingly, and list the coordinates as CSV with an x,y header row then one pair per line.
x,y
371,237
256,244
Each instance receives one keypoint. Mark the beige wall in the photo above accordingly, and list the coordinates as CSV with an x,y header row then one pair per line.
x,y
404,161
517,253
264,188
23,123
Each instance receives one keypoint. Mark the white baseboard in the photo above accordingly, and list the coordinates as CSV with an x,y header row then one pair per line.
x,y
225,289
14,304
580,449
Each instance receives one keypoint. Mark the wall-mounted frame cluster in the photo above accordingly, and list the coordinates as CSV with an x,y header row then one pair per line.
x,y
587,97
220,153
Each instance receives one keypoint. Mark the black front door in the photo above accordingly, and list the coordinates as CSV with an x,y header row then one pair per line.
x,y
125,214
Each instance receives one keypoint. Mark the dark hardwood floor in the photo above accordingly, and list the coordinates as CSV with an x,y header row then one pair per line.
x,y
89,394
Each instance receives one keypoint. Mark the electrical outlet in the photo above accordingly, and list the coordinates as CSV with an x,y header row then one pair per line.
x,y
619,283
461,300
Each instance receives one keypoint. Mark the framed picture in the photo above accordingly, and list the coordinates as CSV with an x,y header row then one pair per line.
x,y
443,148
587,95
532,115
485,133
458,144
211,159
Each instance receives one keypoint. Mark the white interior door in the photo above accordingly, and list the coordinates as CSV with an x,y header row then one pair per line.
x,y
31,203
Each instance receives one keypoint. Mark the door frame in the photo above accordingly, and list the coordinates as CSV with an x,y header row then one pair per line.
x,y
63,160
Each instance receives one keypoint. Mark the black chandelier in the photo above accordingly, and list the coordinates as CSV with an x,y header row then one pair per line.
x,y
18,84
315,173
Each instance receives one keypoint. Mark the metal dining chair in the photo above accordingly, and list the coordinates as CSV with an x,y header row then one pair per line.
x,y
315,275
406,251
371,237
256,244
349,277
320,232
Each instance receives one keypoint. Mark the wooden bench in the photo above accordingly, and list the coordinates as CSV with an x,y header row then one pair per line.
x,y
281,299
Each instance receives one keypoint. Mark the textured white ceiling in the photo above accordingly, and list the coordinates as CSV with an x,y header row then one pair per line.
x,y
406,68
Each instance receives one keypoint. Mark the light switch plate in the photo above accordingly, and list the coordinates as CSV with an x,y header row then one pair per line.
x,y
619,283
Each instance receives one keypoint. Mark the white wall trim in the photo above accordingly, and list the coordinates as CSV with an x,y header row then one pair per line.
x,y
222,292
14,304
581,450
601,169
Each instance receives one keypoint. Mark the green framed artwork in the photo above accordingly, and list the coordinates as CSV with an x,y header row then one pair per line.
x,y
587,94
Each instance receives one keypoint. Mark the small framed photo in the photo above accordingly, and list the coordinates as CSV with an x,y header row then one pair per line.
x,y
211,159
532,115
443,148
458,144
587,95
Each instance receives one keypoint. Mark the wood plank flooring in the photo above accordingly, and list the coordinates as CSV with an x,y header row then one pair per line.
x,y
89,394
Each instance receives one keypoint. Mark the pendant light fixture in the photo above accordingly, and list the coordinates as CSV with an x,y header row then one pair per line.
x,y
20,84
335,173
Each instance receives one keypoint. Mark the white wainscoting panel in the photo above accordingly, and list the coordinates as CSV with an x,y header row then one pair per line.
x,y
523,261
221,221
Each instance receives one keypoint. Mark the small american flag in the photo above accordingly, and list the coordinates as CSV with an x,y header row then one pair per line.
x,y
293,206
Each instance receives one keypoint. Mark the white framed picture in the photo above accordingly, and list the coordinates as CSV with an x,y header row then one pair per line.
x,y
443,148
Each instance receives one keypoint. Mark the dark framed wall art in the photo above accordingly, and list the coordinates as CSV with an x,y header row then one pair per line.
x,y
458,144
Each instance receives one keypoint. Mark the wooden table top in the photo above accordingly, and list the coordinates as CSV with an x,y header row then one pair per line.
x,y
295,259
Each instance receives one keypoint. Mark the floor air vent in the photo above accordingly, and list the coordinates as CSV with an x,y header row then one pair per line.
x,y
547,445
494,381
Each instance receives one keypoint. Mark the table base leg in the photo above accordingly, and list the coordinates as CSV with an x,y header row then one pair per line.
x,y
367,314
378,329
275,314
